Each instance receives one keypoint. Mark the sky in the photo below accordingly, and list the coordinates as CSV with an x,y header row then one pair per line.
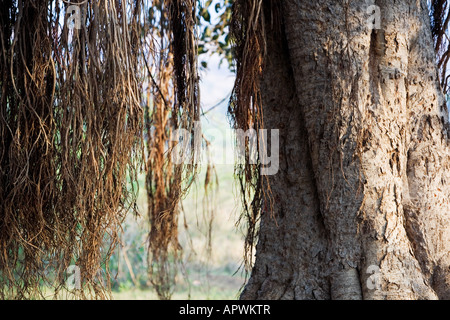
x,y
216,84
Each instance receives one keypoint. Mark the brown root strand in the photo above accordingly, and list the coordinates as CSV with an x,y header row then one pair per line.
x,y
70,121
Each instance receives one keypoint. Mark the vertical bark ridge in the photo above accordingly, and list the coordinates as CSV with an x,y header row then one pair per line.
x,y
328,86
427,207
385,242
350,81
292,244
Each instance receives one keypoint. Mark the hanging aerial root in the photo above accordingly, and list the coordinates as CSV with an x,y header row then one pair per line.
x,y
70,122
248,33
440,19
174,106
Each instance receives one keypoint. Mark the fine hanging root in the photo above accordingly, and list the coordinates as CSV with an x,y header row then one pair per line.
x,y
247,29
440,19
211,186
70,122
174,106
71,127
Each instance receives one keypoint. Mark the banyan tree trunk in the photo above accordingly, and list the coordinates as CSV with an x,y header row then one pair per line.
x,y
361,201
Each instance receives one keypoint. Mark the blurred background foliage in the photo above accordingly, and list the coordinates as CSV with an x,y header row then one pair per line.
x,y
208,271
213,18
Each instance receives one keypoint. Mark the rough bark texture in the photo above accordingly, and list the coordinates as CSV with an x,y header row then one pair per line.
x,y
362,196
292,238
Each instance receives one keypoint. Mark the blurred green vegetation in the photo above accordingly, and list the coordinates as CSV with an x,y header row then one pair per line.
x,y
201,276
214,18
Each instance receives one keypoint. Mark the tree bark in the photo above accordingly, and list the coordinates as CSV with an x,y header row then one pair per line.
x,y
293,235
361,198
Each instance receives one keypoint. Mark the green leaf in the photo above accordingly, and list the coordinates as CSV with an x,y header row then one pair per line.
x,y
205,15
